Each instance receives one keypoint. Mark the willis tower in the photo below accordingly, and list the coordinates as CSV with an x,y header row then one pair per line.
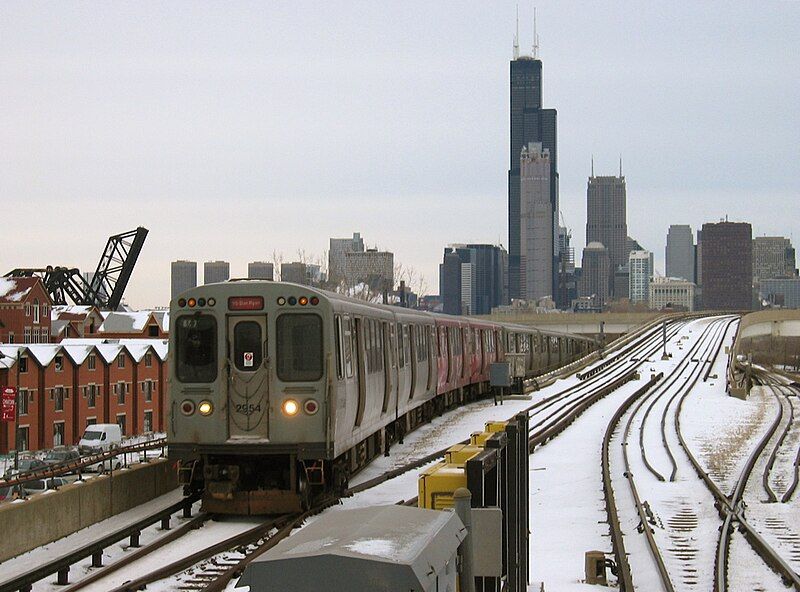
x,y
529,123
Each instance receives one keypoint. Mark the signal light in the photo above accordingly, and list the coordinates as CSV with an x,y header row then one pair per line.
x,y
311,406
290,407
205,408
292,300
201,302
281,301
314,301
211,301
187,407
182,302
192,302
303,301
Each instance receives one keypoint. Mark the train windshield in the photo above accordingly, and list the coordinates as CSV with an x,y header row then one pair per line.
x,y
196,344
299,341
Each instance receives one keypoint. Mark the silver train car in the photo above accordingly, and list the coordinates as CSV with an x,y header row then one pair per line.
x,y
279,392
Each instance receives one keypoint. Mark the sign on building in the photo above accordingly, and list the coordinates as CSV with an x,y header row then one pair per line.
x,y
9,406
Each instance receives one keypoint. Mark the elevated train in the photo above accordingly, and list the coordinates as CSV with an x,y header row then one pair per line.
x,y
280,391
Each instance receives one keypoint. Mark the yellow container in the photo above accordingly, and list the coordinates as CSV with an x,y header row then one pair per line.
x,y
437,484
461,453
496,426
479,438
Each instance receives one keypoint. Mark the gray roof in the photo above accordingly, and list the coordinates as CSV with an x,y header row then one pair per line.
x,y
379,548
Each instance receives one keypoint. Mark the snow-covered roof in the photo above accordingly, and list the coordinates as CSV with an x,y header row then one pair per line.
x,y
15,289
125,322
109,348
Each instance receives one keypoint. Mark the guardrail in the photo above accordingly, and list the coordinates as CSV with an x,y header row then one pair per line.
x,y
83,462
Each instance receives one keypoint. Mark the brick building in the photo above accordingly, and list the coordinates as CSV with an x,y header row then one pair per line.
x,y
727,266
71,321
65,387
24,311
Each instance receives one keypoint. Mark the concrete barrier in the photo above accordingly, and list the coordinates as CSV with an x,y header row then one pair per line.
x,y
47,517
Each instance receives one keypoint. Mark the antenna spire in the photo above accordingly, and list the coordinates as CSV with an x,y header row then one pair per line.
x,y
592,165
620,166
535,37
516,37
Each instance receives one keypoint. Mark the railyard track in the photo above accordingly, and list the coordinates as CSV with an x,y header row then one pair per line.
x,y
646,518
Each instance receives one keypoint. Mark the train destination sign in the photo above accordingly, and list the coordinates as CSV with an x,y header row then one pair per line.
x,y
9,406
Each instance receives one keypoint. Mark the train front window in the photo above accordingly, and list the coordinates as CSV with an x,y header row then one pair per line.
x,y
196,344
299,344
247,346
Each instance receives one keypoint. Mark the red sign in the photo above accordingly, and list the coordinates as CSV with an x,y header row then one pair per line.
x,y
9,407
246,303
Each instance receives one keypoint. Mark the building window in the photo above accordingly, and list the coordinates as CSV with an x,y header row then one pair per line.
x,y
93,390
23,364
35,311
152,331
147,389
45,335
121,361
11,337
23,434
121,423
27,335
120,389
22,400
92,361
148,421
57,395
36,335
59,362
148,360
27,309
90,421
58,433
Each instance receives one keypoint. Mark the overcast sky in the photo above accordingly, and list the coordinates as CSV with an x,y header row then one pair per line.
x,y
232,130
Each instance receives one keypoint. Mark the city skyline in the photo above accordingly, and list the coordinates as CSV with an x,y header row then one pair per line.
x,y
94,116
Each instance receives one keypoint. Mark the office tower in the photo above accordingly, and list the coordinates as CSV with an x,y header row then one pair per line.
x,y
640,269
606,216
621,283
372,267
260,270
773,257
473,279
680,252
596,274
537,240
674,293
183,276
783,292
216,271
529,122
339,247
567,286
727,266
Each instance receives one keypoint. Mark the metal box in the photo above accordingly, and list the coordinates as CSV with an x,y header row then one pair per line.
x,y
461,453
500,374
437,484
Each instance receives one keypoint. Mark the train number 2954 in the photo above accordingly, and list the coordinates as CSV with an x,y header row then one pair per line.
x,y
248,408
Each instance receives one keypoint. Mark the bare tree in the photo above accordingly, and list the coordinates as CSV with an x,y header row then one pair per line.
x,y
277,263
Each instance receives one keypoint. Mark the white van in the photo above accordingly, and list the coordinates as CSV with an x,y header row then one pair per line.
x,y
99,437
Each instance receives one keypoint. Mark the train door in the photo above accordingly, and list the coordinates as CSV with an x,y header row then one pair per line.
x,y
430,337
412,358
248,378
361,370
389,371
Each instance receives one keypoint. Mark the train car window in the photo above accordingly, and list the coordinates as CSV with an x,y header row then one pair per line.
x,y
247,349
367,346
196,344
337,325
299,347
379,348
400,349
348,348
406,344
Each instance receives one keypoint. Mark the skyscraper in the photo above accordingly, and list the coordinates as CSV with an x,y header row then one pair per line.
x,y
473,278
183,276
529,123
606,218
261,270
773,257
680,252
727,266
640,269
596,274
536,224
216,271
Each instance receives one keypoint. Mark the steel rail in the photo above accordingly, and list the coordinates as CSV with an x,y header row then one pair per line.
x,y
26,580
729,511
774,454
617,540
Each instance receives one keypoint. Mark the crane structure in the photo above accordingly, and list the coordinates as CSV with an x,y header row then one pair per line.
x,y
106,287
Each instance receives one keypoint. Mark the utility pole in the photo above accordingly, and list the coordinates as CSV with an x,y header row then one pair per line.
x,y
665,355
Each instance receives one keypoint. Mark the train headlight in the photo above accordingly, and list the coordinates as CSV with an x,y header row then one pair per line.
x,y
205,408
188,407
311,406
290,407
